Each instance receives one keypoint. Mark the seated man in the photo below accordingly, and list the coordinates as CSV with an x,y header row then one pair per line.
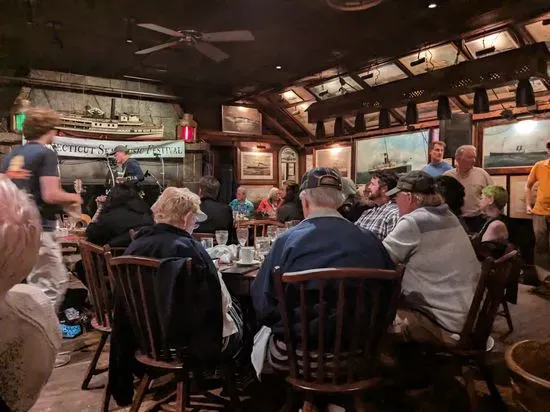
x,y
176,214
441,268
30,329
324,239
241,204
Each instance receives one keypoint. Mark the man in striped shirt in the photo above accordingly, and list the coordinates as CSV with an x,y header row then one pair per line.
x,y
382,218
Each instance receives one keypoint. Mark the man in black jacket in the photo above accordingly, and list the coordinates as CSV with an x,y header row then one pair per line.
x,y
220,215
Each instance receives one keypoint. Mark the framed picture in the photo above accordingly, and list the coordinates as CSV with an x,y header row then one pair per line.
x,y
309,162
515,146
502,180
399,152
336,157
256,166
241,120
288,164
517,199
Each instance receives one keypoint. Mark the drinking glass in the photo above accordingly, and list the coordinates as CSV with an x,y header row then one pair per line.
x,y
271,232
222,236
242,236
207,242
262,246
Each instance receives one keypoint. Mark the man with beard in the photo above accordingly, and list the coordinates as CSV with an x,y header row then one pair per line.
x,y
382,218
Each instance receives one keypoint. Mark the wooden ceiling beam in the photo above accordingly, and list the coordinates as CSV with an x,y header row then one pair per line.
x,y
461,104
285,135
284,113
455,80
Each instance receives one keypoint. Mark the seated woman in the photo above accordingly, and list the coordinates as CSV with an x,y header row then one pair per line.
x,y
268,206
123,209
177,213
493,237
453,194
353,207
291,206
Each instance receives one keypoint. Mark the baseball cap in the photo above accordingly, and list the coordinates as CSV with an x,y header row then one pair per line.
x,y
200,216
321,177
119,148
416,182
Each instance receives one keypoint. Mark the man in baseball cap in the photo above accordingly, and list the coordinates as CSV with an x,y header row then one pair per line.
x,y
325,239
131,170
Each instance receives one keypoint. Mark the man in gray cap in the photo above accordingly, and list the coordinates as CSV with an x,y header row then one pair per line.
x,y
131,170
441,268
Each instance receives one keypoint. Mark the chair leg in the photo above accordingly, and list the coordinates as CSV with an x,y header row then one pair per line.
x,y
181,396
235,401
289,400
106,399
507,316
140,394
468,376
493,390
93,363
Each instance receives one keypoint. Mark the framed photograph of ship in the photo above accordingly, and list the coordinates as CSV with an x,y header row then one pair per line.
x,y
336,157
256,166
399,152
515,145
241,120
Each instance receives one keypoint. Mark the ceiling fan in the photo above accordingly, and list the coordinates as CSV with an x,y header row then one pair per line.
x,y
198,40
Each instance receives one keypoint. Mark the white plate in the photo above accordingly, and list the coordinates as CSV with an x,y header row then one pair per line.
x,y
252,263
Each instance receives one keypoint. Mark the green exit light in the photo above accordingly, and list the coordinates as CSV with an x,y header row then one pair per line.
x,y
19,120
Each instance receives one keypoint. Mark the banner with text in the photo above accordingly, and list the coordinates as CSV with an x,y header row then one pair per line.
x,y
77,147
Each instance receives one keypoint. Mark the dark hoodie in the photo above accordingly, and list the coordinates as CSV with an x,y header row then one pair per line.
x,y
113,226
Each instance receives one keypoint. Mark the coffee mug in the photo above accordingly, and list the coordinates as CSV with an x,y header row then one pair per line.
x,y
247,254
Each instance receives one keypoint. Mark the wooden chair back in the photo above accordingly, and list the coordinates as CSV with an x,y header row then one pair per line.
x,y
134,277
100,286
259,227
345,349
201,236
487,299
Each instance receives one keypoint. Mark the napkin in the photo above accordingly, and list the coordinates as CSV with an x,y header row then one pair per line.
x,y
261,340
225,254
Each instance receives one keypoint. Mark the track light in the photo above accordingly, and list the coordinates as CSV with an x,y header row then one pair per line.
x,y
323,93
525,96
481,101
129,30
418,62
339,126
443,108
360,125
384,119
367,76
320,129
486,51
411,116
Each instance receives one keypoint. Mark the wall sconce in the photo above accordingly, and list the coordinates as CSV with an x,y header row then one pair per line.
x,y
188,128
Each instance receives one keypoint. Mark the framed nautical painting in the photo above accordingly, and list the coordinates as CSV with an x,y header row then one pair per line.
x,y
241,120
256,166
336,157
399,152
515,146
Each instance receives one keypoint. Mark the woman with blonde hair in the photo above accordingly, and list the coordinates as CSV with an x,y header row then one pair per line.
x,y
268,206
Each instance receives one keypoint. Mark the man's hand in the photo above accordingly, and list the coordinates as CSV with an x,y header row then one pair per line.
x,y
100,200
75,199
529,210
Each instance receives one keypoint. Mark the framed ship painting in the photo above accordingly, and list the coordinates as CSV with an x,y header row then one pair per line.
x,y
256,166
241,120
517,145
400,153
336,157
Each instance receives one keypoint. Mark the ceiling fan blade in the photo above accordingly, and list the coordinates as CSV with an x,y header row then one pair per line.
x,y
211,51
160,29
159,47
226,36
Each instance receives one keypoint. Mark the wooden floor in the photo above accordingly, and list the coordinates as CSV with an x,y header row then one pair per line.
x,y
531,315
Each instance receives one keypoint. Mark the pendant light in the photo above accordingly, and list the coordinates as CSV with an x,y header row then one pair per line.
x,y
360,125
411,116
320,129
525,96
384,119
339,126
443,108
481,101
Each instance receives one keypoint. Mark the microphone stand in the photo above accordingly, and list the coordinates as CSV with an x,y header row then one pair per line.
x,y
113,182
148,173
162,167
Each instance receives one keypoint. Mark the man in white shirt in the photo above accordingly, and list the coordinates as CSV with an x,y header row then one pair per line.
x,y
474,179
441,268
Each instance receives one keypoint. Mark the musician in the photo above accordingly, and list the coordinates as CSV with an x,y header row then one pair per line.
x,y
131,170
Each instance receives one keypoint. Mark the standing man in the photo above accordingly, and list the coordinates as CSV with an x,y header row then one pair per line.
x,y
382,218
541,218
131,170
437,166
33,168
474,179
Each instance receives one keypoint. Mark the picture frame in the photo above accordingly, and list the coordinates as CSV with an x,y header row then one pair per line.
x,y
288,165
309,162
256,167
517,201
335,157
241,120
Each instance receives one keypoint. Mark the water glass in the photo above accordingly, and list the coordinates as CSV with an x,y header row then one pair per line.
x,y
271,231
242,236
262,246
207,243
222,236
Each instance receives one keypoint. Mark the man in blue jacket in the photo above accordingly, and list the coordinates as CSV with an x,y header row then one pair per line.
x,y
324,239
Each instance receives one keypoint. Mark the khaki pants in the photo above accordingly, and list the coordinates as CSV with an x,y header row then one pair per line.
x,y
541,227
412,326
50,274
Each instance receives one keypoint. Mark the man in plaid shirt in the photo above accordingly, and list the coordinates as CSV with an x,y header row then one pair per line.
x,y
382,218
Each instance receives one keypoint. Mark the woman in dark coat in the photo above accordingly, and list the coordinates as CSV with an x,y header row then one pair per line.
x,y
291,207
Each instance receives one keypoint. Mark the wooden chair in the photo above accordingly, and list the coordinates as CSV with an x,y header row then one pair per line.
x,y
100,289
472,347
259,227
349,364
134,276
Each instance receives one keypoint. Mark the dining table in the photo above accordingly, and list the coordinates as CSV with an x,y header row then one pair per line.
x,y
238,284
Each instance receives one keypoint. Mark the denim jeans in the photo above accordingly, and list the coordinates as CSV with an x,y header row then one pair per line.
x,y
541,227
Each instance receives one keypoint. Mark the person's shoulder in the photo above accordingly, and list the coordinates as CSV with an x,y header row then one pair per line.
x,y
249,203
481,171
451,172
446,166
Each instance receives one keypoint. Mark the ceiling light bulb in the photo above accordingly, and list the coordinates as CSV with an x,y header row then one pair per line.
x,y
432,5
129,41
278,67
